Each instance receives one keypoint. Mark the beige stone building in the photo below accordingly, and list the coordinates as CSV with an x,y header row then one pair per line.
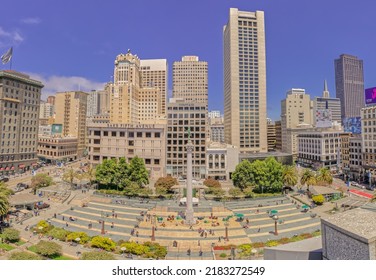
x,y
147,141
154,74
221,160
368,115
46,110
278,135
56,149
345,154
320,147
296,114
19,113
245,81
190,79
271,135
136,94
71,109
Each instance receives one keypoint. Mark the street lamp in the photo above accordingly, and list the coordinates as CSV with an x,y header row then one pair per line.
x,y
102,231
275,218
226,230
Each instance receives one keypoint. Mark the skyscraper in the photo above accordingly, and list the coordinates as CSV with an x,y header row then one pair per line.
x,y
190,79
245,81
71,109
349,84
154,75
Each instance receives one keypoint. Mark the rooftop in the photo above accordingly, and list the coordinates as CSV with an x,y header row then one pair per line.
x,y
357,222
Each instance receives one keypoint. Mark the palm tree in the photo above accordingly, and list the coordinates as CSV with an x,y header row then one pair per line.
x,y
4,205
289,176
4,190
308,178
324,177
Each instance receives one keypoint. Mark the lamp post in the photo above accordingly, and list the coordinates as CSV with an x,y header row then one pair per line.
x,y
102,231
226,231
153,231
275,218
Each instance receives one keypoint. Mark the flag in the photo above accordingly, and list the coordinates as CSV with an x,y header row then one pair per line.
x,y
5,58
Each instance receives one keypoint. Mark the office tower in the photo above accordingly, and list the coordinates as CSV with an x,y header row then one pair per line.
x,y
46,110
214,114
136,95
278,135
71,109
51,99
296,114
186,120
93,105
190,79
19,107
245,81
325,103
105,99
349,84
154,74
271,135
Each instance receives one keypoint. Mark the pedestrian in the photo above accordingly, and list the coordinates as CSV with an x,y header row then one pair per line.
x,y
219,239
198,243
63,218
258,229
115,216
136,233
112,225
55,215
66,224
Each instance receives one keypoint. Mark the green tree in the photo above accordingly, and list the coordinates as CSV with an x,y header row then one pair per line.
x,y
324,177
217,192
318,199
289,176
90,175
243,176
235,192
48,249
24,256
11,235
122,174
248,192
4,190
273,177
104,243
138,172
41,180
308,178
4,205
97,256
106,173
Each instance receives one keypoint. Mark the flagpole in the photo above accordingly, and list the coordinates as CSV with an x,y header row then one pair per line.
x,y
10,65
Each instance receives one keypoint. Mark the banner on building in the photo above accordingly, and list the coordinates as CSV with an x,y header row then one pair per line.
x,y
323,118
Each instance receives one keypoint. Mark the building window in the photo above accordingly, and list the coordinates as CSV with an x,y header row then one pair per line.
x,y
147,161
130,143
156,161
148,135
131,135
122,134
113,133
139,134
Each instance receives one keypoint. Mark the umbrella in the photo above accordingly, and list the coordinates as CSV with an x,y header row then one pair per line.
x,y
274,212
305,206
239,215
160,219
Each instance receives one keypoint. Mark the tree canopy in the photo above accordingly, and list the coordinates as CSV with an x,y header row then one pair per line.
x,y
263,175
118,174
41,180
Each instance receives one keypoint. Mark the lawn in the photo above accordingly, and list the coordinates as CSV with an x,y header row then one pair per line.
x,y
6,247
63,258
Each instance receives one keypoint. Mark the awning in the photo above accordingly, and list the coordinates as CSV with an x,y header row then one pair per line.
x,y
21,166
12,168
34,164
2,168
7,168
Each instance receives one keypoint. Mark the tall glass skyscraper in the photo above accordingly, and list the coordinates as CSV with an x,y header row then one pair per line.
x,y
245,81
349,85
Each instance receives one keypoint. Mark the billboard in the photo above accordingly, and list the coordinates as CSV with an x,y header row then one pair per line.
x,y
323,118
353,125
370,95
56,129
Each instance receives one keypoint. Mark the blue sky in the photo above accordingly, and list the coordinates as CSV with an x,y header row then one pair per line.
x,y
70,43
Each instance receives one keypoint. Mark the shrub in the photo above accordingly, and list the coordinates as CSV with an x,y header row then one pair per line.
x,y
103,243
223,255
211,183
24,256
272,243
48,249
135,248
316,233
156,251
306,235
284,240
43,227
258,245
248,192
245,250
318,199
235,192
97,256
59,233
84,238
11,235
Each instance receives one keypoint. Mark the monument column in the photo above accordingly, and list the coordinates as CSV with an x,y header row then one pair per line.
x,y
189,211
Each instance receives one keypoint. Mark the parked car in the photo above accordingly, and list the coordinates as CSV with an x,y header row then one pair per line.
x,y
41,206
21,187
4,179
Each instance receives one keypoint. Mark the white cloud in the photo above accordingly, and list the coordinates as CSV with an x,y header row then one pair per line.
x,y
9,38
53,84
31,20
